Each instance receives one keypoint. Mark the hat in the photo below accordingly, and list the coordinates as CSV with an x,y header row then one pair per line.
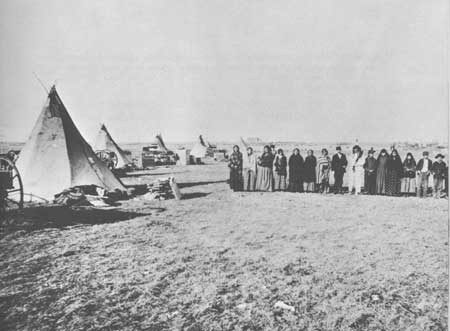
x,y
371,150
425,153
439,155
338,148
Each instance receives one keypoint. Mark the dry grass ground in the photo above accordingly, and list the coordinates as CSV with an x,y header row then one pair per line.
x,y
219,260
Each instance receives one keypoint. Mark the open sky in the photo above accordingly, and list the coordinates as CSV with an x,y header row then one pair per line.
x,y
310,70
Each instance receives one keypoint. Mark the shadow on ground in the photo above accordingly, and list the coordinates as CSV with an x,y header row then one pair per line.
x,y
184,185
194,195
42,217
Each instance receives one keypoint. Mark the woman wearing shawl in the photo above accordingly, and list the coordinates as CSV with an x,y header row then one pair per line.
x,y
280,171
408,185
264,175
295,171
235,165
370,167
356,180
381,172
394,173
309,172
323,171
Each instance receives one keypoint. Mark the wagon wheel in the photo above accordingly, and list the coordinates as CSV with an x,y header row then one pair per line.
x,y
108,157
11,188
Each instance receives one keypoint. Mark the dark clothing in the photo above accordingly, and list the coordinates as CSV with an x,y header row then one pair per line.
x,y
370,180
266,160
439,170
309,169
281,165
264,174
295,173
394,175
409,168
420,164
235,165
381,174
338,165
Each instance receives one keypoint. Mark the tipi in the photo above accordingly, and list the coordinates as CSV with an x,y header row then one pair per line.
x,y
104,141
200,149
57,157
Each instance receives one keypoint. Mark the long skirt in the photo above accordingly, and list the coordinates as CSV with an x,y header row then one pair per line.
x,y
408,185
279,182
356,180
236,180
370,182
309,186
392,183
249,180
264,179
295,185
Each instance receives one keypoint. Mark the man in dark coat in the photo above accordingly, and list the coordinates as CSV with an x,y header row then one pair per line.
x,y
439,170
370,167
338,165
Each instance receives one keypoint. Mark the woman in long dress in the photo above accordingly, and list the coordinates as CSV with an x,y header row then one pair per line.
x,y
381,172
235,165
394,174
280,171
408,186
323,171
295,171
264,175
356,180
309,172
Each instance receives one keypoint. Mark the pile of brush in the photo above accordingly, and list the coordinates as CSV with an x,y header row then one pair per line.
x,y
163,189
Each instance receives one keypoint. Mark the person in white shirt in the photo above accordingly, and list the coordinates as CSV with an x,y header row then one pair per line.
x,y
249,170
423,173
356,178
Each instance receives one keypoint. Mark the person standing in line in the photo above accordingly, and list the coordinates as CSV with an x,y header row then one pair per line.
x,y
264,175
309,172
409,176
235,165
338,165
423,173
295,171
394,174
381,172
356,173
249,170
273,150
370,169
439,170
280,171
323,171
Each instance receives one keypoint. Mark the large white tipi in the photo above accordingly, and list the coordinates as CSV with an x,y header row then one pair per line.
x,y
57,157
104,141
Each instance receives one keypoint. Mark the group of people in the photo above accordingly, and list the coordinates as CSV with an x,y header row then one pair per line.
x,y
385,175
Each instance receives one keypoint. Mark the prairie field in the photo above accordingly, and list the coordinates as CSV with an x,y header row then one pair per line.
x,y
220,260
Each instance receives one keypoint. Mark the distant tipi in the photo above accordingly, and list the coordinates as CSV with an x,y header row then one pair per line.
x,y
201,148
104,141
57,157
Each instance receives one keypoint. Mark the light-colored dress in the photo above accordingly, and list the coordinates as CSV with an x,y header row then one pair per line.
x,y
356,173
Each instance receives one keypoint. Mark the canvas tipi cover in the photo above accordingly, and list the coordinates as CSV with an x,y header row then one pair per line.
x,y
200,149
104,141
57,157
159,141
